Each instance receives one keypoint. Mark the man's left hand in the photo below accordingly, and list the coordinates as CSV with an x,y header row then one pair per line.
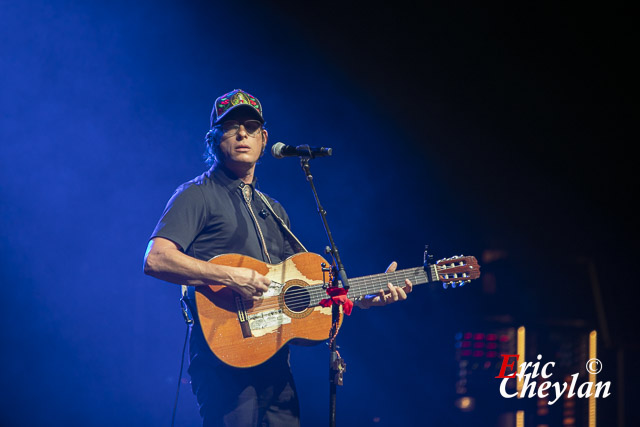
x,y
392,294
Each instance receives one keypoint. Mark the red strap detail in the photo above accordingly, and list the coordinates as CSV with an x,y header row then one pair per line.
x,y
338,296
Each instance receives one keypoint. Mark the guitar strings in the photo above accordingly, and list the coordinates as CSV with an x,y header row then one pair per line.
x,y
314,293
364,285
369,285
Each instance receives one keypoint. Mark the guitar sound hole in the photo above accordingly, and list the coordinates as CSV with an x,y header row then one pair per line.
x,y
297,299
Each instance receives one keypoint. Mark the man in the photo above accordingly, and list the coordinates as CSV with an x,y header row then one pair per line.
x,y
221,212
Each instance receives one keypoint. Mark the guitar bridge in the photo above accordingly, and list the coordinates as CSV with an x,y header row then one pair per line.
x,y
242,318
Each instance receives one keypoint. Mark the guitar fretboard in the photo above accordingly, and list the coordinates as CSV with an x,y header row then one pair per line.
x,y
366,285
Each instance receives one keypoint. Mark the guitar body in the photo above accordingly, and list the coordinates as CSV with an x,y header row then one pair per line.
x,y
245,333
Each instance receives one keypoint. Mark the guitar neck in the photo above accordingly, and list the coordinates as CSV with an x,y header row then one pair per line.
x,y
366,285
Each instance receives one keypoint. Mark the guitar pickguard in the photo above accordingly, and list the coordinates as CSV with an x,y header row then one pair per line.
x,y
267,322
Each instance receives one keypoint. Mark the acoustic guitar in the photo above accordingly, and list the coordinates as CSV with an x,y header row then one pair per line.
x,y
245,333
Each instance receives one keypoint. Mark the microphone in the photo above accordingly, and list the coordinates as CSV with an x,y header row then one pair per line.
x,y
279,151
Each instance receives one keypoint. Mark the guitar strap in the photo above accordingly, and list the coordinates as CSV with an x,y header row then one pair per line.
x,y
293,240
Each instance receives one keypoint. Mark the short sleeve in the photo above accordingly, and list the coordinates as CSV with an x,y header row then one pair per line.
x,y
184,216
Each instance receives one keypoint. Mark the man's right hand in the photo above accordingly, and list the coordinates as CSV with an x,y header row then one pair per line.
x,y
247,282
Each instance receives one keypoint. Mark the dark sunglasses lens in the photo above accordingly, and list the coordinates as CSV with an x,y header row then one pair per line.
x,y
230,125
252,126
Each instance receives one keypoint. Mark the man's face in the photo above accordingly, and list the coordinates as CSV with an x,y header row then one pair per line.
x,y
242,147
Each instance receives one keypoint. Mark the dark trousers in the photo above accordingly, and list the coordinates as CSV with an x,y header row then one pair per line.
x,y
261,396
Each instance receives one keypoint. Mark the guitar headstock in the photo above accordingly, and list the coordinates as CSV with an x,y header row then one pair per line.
x,y
457,270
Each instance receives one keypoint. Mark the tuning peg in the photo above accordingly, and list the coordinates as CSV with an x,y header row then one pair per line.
x,y
427,257
445,285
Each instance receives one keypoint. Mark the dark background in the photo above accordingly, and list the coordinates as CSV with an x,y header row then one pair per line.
x,y
501,131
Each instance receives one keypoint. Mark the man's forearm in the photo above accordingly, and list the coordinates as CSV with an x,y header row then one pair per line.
x,y
173,266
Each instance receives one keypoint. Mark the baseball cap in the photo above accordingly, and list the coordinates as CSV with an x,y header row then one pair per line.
x,y
233,100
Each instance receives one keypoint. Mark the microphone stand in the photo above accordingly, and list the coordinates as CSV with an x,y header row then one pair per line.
x,y
336,364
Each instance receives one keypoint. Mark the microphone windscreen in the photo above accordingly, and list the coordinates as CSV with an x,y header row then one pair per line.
x,y
276,150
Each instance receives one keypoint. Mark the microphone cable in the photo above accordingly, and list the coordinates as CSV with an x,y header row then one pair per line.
x,y
189,321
